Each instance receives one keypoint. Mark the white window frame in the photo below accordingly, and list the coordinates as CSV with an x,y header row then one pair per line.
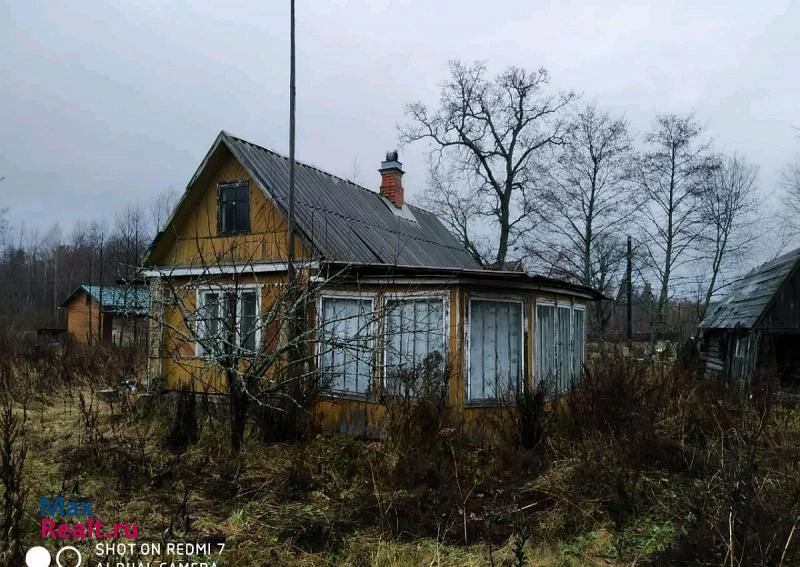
x,y
570,343
561,304
579,307
550,303
444,297
223,289
319,320
500,298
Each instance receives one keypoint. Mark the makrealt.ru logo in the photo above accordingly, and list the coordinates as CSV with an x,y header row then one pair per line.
x,y
73,509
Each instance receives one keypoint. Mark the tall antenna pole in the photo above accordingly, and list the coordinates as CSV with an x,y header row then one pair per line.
x,y
293,324
291,229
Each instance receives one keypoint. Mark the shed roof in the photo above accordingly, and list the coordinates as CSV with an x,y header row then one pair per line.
x,y
346,222
750,296
131,299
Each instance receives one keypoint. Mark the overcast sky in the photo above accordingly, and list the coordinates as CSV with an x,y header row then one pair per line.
x,y
106,102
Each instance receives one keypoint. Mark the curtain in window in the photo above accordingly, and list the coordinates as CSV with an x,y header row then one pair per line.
x,y
414,331
345,355
546,370
495,348
564,352
579,334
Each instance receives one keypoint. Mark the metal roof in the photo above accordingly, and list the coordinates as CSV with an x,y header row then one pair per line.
x,y
750,296
345,222
134,300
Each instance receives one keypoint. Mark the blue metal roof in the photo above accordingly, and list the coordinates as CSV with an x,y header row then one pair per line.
x,y
128,299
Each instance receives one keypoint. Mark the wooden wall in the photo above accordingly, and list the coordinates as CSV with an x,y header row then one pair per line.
x,y
191,239
83,313
180,366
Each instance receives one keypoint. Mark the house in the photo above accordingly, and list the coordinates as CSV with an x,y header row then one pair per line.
x,y
756,327
398,288
108,313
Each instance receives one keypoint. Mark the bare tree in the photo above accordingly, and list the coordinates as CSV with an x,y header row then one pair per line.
x,y
131,237
728,207
588,200
161,208
486,135
791,196
671,174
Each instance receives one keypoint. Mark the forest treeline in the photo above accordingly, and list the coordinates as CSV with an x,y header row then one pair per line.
x,y
527,177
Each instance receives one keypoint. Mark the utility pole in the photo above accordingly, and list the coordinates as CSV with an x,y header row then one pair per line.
x,y
291,227
293,325
629,283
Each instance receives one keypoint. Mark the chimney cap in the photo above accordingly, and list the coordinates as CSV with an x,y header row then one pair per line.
x,y
392,161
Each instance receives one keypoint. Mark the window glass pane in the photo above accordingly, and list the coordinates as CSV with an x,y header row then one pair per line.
x,y
564,351
414,331
247,325
209,322
495,363
579,340
243,209
345,355
234,208
545,343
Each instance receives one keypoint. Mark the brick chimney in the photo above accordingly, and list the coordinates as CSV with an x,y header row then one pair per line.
x,y
391,179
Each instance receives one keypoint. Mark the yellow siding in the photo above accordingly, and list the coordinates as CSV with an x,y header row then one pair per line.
x,y
82,318
192,239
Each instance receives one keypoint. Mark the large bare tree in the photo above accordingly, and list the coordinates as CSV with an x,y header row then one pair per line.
x,y
672,174
588,200
728,207
791,196
486,137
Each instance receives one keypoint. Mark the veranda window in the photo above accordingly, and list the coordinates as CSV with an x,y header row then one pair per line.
x,y
495,348
560,343
345,343
414,341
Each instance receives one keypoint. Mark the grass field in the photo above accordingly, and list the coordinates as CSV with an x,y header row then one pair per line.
x,y
636,468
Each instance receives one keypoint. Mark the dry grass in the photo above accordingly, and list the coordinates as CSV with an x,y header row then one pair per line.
x,y
635,469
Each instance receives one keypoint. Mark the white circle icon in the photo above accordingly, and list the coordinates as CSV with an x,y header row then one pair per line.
x,y
37,557
72,549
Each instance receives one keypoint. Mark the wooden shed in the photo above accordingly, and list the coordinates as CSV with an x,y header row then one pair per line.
x,y
756,327
108,314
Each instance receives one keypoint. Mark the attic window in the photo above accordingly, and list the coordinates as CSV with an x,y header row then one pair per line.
x,y
233,208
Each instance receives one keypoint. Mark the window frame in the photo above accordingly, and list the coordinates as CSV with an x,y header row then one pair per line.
x,y
233,184
319,321
557,304
443,296
499,298
578,368
549,303
224,290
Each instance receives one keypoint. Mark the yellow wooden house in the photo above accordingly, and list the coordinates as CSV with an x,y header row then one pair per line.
x,y
397,288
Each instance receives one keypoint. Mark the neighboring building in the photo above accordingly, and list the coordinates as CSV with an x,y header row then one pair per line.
x,y
108,314
756,327
385,262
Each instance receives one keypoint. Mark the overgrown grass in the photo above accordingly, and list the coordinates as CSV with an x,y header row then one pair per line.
x,y
636,467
